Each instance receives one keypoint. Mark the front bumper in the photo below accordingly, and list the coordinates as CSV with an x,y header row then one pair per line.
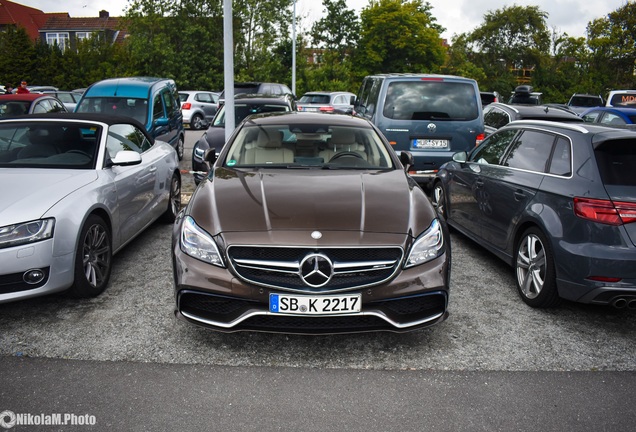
x,y
215,298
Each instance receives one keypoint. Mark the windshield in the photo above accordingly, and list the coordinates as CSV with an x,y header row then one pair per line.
x,y
308,146
14,108
48,145
242,110
128,107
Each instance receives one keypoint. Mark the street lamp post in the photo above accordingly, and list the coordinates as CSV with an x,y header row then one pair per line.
x,y
294,50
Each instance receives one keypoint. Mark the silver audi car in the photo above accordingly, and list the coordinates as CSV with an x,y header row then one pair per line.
x,y
76,188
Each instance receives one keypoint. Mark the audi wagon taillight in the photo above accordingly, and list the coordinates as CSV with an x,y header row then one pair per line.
x,y
605,211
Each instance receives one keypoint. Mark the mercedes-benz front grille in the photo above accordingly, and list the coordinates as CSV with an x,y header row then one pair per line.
x,y
315,269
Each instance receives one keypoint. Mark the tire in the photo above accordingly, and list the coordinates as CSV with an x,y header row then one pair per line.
x,y
93,259
174,202
535,270
180,148
196,122
438,198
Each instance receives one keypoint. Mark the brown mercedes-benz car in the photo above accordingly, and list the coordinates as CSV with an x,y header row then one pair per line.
x,y
308,223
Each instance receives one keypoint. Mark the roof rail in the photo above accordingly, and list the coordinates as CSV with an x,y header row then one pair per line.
x,y
571,126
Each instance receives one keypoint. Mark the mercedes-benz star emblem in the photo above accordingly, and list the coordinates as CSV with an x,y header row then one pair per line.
x,y
316,270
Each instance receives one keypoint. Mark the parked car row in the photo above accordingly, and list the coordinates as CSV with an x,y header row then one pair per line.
x,y
304,222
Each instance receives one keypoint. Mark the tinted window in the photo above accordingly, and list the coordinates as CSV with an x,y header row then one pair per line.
x,y
315,99
585,101
431,100
169,103
531,151
492,149
616,161
561,162
495,117
129,107
157,108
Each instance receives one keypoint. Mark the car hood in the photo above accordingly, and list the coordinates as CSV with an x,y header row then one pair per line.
x,y
34,191
307,200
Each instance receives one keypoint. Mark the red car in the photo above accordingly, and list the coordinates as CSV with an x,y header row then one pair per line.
x,y
12,105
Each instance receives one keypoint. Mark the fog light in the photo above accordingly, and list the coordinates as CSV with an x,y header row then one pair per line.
x,y
33,276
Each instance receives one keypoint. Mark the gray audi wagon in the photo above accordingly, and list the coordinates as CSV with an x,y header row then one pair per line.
x,y
556,201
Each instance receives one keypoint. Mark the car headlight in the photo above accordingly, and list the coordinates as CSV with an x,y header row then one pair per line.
x,y
26,232
427,246
198,153
199,244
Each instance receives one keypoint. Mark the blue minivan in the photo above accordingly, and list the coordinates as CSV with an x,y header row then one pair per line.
x,y
154,102
431,116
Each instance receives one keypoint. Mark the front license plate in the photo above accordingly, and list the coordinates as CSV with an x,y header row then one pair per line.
x,y
429,143
314,305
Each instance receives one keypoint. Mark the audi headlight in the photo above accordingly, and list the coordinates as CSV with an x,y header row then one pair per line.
x,y
199,244
428,246
26,232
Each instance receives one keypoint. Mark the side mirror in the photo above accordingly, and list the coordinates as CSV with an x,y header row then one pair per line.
x,y
210,156
460,157
163,121
407,160
126,158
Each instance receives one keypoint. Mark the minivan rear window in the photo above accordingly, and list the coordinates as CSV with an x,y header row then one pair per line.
x,y
431,100
616,161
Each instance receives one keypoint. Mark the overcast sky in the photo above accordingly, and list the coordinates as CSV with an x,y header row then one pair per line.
x,y
457,16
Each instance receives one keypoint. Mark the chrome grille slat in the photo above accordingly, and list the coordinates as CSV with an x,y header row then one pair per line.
x,y
353,268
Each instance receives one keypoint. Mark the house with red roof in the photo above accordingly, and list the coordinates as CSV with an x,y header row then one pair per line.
x,y
59,27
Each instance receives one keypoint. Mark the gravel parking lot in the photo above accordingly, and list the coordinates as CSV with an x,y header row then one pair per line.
x,y
489,328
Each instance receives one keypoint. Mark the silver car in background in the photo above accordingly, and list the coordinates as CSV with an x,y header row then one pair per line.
x,y
327,102
198,107
76,189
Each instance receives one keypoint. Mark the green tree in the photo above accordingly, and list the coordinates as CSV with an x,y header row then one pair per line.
x,y
179,39
399,36
336,35
18,58
612,42
260,28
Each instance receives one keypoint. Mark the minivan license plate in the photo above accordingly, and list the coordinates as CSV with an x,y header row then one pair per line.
x,y
314,305
430,143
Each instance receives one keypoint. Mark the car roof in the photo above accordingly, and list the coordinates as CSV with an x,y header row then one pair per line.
x,y
539,111
620,109
262,98
124,87
310,118
70,116
584,127
318,92
197,91
24,96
